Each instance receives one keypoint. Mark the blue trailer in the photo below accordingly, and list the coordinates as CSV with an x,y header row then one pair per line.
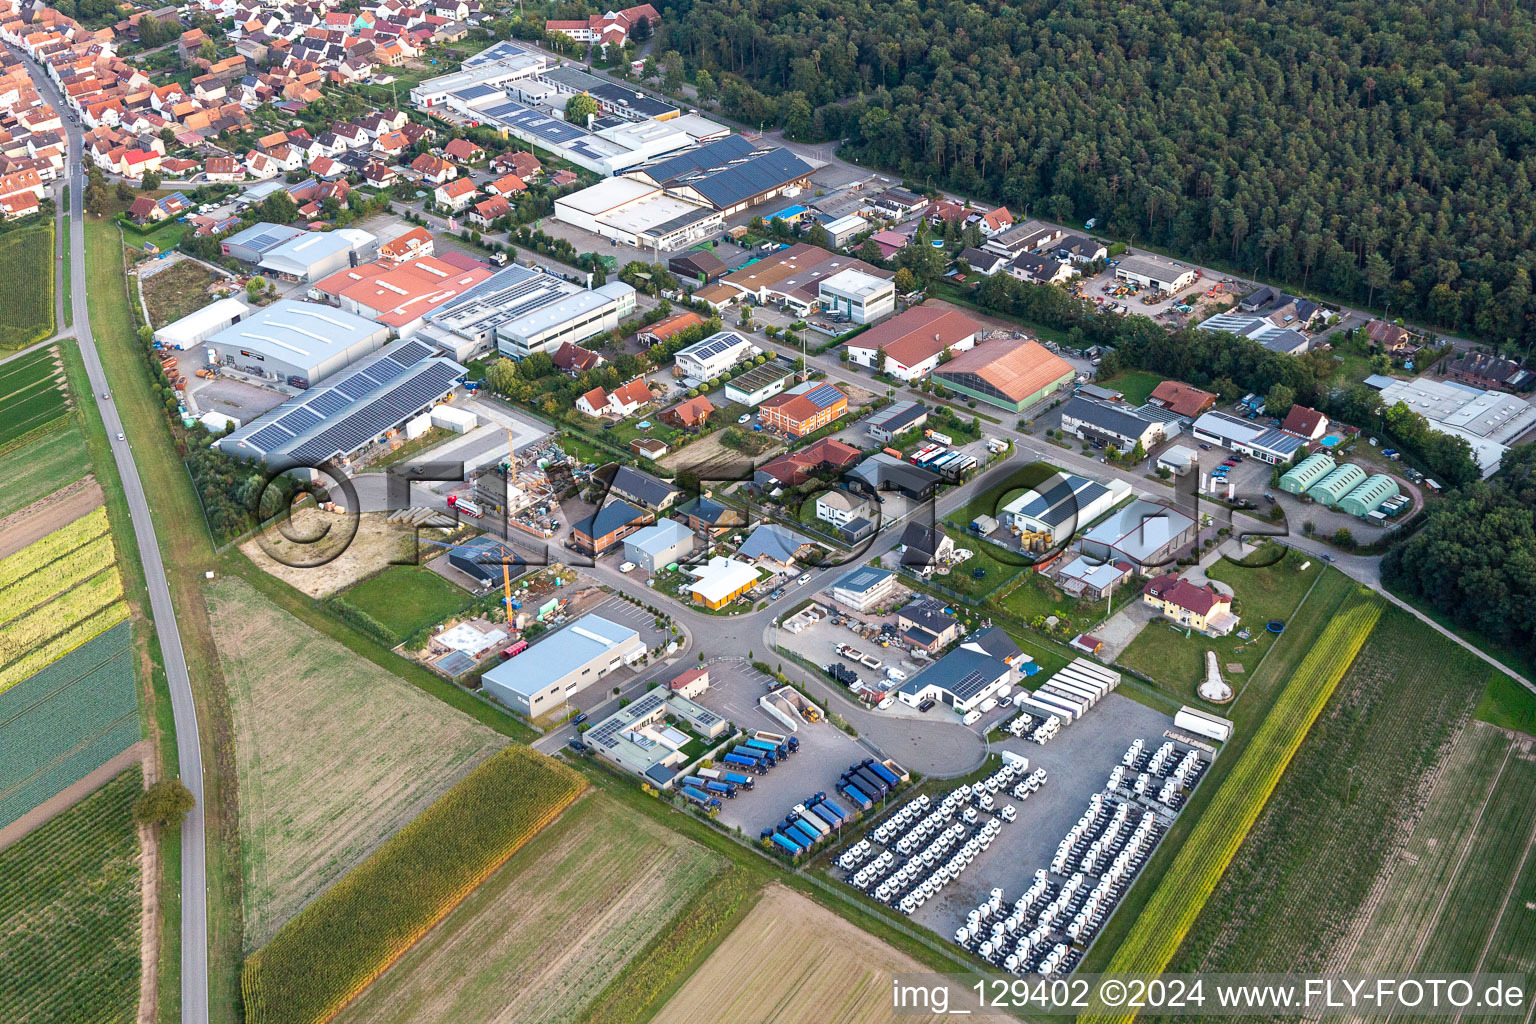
x,y
771,748
738,778
725,788
835,811
853,793
788,846
745,762
811,835
749,750
871,783
882,771
839,808
698,796
825,815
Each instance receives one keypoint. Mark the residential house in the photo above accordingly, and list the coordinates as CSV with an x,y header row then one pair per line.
x,y
1184,399
692,414
1197,606
1304,422
454,195
507,185
605,529
434,170
463,151
572,359
485,213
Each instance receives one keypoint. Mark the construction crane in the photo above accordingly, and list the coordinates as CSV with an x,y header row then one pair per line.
x,y
506,576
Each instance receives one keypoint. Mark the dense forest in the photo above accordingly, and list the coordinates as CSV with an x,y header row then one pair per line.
x,y
1366,150
1475,558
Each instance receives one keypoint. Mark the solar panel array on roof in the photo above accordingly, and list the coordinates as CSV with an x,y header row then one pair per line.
x,y
299,420
823,396
354,429
542,126
761,172
968,685
328,403
711,154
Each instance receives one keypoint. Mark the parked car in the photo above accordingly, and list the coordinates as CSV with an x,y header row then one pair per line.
x,y
744,418
926,706
886,704
1204,447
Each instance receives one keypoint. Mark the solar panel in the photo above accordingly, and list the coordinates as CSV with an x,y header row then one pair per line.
x,y
369,419
269,437
356,386
298,421
327,403
969,685
823,395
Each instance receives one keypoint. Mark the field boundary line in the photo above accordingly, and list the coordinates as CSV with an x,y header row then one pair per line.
x,y
1466,848
73,793
1514,880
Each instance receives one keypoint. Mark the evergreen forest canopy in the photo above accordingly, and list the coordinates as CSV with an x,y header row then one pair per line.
x,y
1368,150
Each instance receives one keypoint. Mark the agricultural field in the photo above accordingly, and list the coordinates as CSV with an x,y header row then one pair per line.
x,y
1173,906
177,290
1292,893
40,466
1176,662
57,593
66,721
1507,705
27,314
335,754
69,914
33,394
791,961
540,938
406,598
327,955
1459,895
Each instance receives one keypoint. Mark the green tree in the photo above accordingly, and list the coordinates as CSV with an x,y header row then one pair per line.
x,y
150,181
580,108
124,192
905,281
1279,400
672,75
163,805
704,84
254,287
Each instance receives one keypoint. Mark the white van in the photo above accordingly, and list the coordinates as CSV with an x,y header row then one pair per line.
x,y
627,567
972,717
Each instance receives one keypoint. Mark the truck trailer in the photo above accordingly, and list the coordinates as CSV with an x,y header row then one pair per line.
x,y
736,777
791,848
856,795
723,788
882,771
745,762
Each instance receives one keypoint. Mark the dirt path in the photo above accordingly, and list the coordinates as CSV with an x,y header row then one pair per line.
x,y
70,795
46,515
149,914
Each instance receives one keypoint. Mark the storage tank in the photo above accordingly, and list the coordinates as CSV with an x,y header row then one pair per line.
x,y
1335,485
1368,497
1310,470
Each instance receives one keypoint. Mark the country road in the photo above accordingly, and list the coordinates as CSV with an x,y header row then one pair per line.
x,y
194,888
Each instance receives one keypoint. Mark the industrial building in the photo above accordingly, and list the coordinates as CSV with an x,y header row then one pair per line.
x,y
1267,444
790,278
1010,373
729,175
314,254
250,245
638,214
1143,533
299,343
1307,472
1156,272
759,384
1331,489
967,676
202,324
574,318
484,559
351,412
569,660
1369,496
864,588
467,326
1062,505
398,296
882,472
862,298
656,547
914,341
895,419
720,581
638,738
1489,421
713,355
1112,424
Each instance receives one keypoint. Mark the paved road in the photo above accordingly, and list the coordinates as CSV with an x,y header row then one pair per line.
x,y
194,886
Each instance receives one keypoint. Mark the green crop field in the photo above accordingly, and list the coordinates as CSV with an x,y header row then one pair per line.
x,y
66,721
69,914
27,314
340,943
540,938
335,754
1177,662
1508,705
1203,858
1459,896
41,466
32,394
1291,894
406,598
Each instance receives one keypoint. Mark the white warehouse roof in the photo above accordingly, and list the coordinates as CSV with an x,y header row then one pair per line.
x,y
303,333
194,327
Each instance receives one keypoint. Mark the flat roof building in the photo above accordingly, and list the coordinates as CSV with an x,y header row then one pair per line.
x,y
1143,533
250,245
1264,443
574,318
1489,421
638,214
638,739
562,664
759,384
313,255
295,342
864,588
1155,272
468,325
399,297
862,298
202,324
713,355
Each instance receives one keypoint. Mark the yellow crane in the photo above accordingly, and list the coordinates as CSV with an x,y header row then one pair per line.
x,y
506,576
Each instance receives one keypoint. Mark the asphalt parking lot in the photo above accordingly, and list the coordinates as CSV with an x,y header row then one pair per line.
x,y
236,398
1077,764
825,751
641,621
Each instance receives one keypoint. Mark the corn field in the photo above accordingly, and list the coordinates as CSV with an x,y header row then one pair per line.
x,y
52,547
1216,837
321,959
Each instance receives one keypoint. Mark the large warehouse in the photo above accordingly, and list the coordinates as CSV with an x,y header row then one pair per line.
x,y
250,245
1062,505
570,659
574,318
1010,373
1143,533
728,175
1489,421
202,324
638,214
313,255
299,343
350,413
